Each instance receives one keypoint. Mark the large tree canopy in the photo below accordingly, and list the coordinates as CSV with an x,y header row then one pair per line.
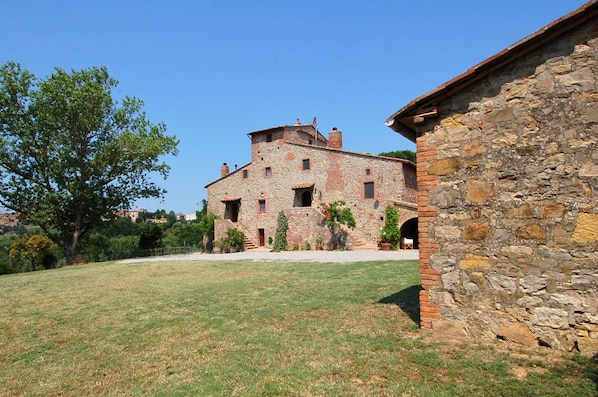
x,y
70,154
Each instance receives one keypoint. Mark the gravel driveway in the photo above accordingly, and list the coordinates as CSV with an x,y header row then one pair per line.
x,y
293,256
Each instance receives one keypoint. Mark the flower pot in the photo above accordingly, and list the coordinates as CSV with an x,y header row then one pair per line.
x,y
318,247
385,246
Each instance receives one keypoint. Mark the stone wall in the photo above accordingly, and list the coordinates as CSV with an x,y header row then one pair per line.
x,y
508,209
334,174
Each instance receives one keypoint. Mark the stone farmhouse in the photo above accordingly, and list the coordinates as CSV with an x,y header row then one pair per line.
x,y
294,169
507,172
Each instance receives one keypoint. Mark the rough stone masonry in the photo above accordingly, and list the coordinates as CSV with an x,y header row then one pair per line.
x,y
507,175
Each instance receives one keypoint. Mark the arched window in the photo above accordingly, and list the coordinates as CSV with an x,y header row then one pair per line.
x,y
306,198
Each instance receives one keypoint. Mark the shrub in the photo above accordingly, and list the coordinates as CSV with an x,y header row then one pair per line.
x,y
280,238
391,232
122,247
235,238
34,253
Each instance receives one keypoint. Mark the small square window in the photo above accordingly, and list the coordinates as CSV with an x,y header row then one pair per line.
x,y
305,164
245,174
368,171
368,190
262,205
268,171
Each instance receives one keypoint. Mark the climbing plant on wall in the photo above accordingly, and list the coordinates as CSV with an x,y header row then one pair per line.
x,y
337,216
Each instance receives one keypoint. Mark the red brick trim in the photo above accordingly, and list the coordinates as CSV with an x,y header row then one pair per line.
x,y
427,213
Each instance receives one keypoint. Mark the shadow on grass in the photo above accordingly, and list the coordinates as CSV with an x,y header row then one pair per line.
x,y
408,300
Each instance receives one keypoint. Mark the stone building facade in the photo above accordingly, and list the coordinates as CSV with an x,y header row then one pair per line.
x,y
294,169
507,172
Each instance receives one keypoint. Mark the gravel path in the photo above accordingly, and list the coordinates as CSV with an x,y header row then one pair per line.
x,y
293,256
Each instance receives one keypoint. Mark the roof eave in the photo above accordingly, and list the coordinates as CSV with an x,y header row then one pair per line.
x,y
482,69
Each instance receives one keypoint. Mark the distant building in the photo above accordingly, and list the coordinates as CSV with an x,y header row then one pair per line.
x,y
189,217
9,219
157,220
132,214
294,169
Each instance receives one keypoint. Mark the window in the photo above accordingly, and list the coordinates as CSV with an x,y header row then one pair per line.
x,y
268,137
368,171
306,199
262,205
305,164
245,174
368,190
268,171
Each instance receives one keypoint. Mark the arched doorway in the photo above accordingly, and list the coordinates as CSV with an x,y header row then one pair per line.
x,y
306,199
232,209
409,230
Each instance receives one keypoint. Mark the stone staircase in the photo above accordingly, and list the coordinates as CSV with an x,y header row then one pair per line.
x,y
359,244
248,244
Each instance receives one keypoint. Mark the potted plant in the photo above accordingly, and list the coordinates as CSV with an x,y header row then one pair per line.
x,y
390,234
385,244
235,239
319,242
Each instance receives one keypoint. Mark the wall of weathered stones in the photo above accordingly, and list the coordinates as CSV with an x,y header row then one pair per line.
x,y
336,174
508,179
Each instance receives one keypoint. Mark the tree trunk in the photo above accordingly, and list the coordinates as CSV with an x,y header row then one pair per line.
x,y
70,248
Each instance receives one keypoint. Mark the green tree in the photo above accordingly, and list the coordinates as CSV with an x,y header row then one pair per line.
x,y
36,249
206,226
151,236
280,237
182,235
121,247
401,154
391,232
337,215
97,247
70,155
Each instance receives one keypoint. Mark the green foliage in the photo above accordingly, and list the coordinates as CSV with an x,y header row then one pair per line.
x,y
32,253
151,236
319,240
70,155
206,228
337,216
122,247
235,237
97,247
234,240
390,232
401,154
116,238
280,237
182,235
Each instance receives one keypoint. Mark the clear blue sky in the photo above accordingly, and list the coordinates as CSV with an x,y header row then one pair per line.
x,y
214,71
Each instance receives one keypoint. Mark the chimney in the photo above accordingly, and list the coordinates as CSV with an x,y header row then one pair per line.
x,y
224,171
335,139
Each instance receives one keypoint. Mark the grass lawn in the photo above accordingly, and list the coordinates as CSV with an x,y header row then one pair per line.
x,y
250,329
